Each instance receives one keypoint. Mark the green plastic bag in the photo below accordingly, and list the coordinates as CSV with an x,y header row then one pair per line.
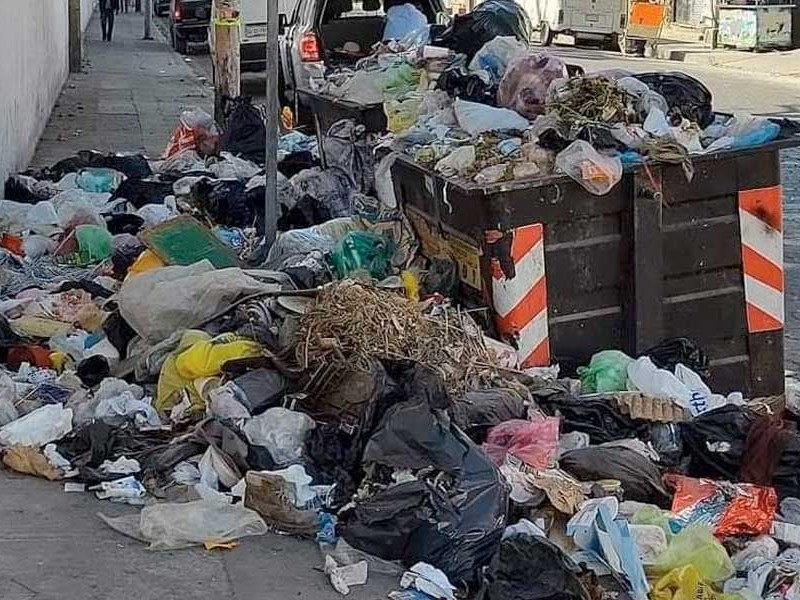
x,y
363,251
652,515
399,80
607,372
696,546
94,243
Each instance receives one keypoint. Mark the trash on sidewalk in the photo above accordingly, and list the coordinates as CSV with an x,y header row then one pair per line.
x,y
339,387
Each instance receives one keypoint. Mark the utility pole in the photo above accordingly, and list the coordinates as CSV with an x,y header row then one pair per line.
x,y
227,64
273,110
75,42
148,19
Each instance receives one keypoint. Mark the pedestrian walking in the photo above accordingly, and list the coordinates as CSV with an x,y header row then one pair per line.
x,y
107,10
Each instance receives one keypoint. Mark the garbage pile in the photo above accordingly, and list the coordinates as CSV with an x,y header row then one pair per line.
x,y
155,353
477,104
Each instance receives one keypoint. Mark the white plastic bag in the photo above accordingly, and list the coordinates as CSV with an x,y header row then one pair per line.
x,y
223,403
475,118
174,526
281,431
233,167
457,162
496,54
647,378
595,172
37,428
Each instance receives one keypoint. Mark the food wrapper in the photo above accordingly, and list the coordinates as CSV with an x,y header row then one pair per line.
x,y
731,508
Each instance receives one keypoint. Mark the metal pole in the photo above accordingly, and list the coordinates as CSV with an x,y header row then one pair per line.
x,y
273,108
148,19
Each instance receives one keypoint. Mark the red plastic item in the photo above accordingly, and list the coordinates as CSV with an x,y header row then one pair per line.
x,y
12,243
531,442
734,508
36,356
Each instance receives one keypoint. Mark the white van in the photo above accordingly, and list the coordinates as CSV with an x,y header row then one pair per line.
x,y
596,20
253,32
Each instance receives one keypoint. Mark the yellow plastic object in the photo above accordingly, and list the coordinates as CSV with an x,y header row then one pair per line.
x,y
171,383
401,114
147,261
205,358
697,547
58,360
685,584
411,283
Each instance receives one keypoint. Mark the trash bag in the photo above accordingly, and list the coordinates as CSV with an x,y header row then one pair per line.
x,y
495,56
130,165
281,431
529,567
159,302
363,251
607,372
140,192
477,411
593,416
469,32
455,527
716,441
686,583
171,526
97,180
686,96
696,546
596,173
477,118
245,130
39,427
526,81
405,22
94,243
640,477
458,82
532,443
672,351
345,146
321,195
197,131
23,188
225,202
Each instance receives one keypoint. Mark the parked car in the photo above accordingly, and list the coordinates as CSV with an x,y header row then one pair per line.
x,y
188,23
253,32
161,7
314,37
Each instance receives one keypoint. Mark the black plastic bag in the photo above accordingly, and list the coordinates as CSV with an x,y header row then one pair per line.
x,y
130,165
23,188
595,417
478,411
245,130
686,96
225,202
454,525
640,477
530,567
716,441
469,32
682,350
139,191
458,82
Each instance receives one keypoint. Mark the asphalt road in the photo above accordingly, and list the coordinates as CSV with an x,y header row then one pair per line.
x,y
733,91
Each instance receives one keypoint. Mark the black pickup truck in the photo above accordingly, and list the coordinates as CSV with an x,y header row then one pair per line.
x,y
188,23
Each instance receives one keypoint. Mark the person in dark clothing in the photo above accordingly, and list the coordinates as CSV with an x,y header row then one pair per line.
x,y
107,10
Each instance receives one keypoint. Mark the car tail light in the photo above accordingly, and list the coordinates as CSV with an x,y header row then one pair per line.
x,y
178,12
309,47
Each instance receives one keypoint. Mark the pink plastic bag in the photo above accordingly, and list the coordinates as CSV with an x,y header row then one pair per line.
x,y
532,442
526,81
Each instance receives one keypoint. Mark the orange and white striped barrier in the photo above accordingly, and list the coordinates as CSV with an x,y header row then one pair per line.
x,y
520,296
761,226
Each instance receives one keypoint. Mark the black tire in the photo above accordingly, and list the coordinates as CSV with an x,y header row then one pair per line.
x,y
546,34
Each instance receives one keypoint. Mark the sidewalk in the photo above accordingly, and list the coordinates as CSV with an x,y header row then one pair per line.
x,y
784,63
127,98
55,547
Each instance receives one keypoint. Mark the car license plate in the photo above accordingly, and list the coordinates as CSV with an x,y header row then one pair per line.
x,y
592,18
255,31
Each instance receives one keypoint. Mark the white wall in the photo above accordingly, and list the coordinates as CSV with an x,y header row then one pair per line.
x,y
34,65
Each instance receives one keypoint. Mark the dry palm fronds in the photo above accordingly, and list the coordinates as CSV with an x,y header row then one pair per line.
x,y
354,323
582,101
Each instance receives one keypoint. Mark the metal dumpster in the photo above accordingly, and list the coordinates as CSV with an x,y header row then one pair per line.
x,y
327,110
568,273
